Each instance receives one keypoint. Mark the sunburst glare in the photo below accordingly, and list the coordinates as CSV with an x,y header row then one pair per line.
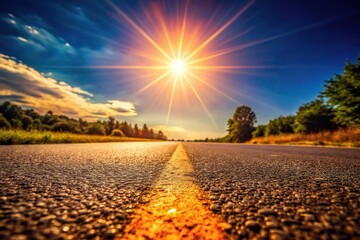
x,y
179,48
178,67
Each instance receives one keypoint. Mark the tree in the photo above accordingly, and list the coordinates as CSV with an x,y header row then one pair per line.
x,y
12,113
65,126
36,124
31,113
145,132
314,117
137,132
4,123
96,129
131,130
125,128
259,131
26,122
280,126
151,134
343,93
241,125
110,125
160,135
82,125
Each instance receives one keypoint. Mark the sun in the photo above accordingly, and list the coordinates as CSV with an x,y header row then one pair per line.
x,y
178,67
184,56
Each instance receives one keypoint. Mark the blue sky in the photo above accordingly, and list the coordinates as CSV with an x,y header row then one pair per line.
x,y
51,50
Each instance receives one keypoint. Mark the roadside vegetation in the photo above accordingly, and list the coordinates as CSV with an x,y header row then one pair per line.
x,y
333,118
8,137
342,137
24,126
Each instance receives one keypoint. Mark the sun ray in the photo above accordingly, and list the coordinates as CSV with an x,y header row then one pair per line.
x,y
153,82
213,88
166,33
224,67
181,40
139,29
258,42
171,99
220,30
200,100
176,53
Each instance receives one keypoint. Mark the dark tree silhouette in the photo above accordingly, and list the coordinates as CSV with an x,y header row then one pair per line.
x,y
14,117
137,132
241,125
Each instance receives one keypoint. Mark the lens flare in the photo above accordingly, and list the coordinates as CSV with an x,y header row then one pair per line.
x,y
182,53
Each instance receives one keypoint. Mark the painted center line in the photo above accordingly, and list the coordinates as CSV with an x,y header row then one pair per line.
x,y
174,210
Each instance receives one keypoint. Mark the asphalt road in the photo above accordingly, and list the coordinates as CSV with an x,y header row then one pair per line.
x,y
90,191
75,190
282,192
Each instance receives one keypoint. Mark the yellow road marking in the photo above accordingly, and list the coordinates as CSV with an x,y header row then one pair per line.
x,y
174,211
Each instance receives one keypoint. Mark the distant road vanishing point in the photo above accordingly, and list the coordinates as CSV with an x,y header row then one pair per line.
x,y
169,190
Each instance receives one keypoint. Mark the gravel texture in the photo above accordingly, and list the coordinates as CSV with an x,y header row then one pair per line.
x,y
281,192
76,191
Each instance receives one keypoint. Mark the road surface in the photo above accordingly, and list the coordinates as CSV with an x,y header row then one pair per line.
x,y
170,190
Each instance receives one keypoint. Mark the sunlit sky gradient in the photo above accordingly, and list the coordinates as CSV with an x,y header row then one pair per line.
x,y
94,59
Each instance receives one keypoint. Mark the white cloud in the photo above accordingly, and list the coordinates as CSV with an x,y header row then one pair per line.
x,y
22,39
31,29
40,38
25,86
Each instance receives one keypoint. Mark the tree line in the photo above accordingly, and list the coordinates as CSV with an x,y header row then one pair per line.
x,y
337,106
17,118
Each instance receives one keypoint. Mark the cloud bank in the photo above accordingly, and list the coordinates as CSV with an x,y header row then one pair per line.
x,y
27,87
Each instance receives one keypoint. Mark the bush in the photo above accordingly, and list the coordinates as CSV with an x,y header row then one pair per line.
x,y
65,127
96,129
117,133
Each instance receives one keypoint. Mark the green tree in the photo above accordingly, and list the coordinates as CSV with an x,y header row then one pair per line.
x,y
241,125
343,93
82,125
259,131
31,113
280,125
26,122
96,129
12,113
4,123
66,126
49,119
110,125
37,124
315,116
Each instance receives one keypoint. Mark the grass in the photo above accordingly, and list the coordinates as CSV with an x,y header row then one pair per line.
x,y
8,137
342,138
